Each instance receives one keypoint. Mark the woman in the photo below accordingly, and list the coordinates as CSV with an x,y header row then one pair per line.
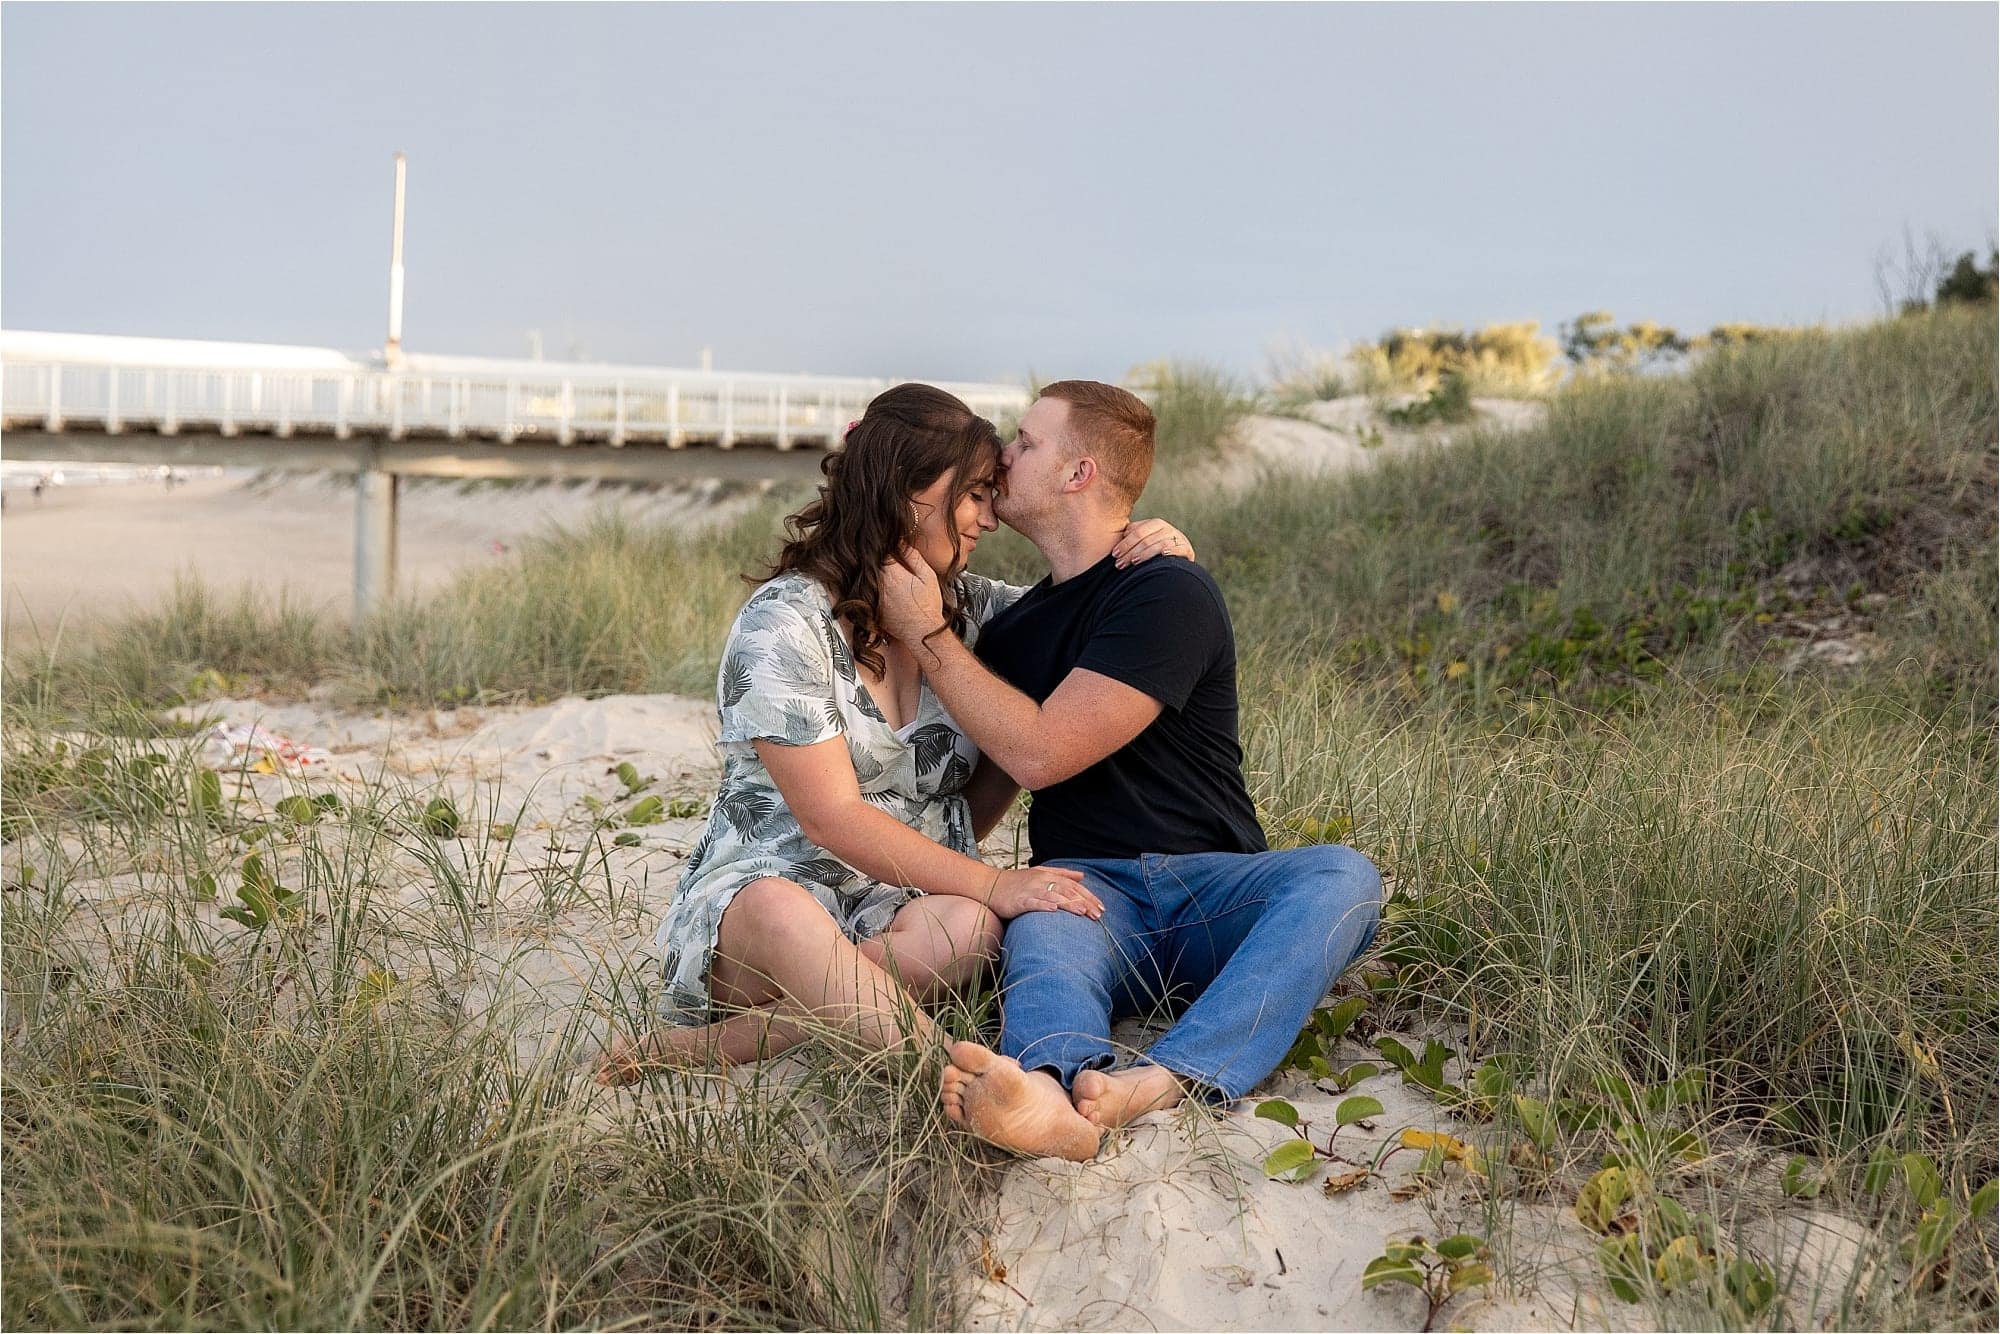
x,y
838,880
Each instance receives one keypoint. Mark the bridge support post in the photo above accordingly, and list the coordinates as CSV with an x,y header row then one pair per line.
x,y
374,542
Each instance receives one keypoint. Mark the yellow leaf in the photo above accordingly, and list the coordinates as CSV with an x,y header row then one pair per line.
x,y
375,987
1449,1145
1502,652
1456,670
1926,1063
1447,602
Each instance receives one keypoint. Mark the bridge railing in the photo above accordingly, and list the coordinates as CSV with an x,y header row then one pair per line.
x,y
497,404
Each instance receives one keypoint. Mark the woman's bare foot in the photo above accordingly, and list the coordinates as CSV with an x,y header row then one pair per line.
x,y
1025,1110
1113,1100
629,1058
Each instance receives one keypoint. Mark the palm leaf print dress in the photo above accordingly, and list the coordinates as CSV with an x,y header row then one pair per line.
x,y
787,676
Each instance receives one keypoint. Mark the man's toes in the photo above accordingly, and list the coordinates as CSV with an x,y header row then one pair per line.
x,y
1088,1093
951,1092
972,1058
1093,1095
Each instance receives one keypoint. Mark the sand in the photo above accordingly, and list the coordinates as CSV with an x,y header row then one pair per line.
x,y
1343,434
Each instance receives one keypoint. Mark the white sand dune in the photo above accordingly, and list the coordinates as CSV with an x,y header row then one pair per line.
x,y
1174,1227
1341,434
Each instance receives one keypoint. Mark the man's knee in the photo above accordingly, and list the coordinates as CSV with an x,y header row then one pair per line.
x,y
1045,945
1052,932
1345,886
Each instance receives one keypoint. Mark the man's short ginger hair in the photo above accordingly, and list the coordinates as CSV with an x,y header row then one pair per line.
x,y
1113,426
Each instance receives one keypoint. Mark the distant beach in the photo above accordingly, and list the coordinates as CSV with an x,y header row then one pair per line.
x,y
103,542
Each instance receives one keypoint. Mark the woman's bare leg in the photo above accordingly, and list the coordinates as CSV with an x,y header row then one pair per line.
x,y
753,1035
783,961
937,944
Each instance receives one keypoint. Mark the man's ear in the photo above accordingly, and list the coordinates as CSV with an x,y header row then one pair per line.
x,y
1081,474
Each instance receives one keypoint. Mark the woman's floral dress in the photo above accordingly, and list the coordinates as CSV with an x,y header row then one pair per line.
x,y
787,676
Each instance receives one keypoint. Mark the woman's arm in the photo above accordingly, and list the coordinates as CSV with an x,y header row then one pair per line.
x,y
818,784
989,792
1144,539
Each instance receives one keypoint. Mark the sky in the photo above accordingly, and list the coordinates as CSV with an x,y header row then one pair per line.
x,y
974,191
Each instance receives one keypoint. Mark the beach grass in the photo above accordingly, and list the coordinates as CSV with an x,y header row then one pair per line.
x,y
1671,721
367,1109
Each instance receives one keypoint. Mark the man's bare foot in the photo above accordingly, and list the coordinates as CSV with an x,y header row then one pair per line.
x,y
1025,1110
1113,1100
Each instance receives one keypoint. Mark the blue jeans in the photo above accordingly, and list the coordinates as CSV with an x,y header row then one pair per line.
x,y
1241,946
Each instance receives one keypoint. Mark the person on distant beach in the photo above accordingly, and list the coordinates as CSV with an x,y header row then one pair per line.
x,y
1110,691
838,883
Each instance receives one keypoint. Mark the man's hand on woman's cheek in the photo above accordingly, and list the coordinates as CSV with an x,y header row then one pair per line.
x,y
912,604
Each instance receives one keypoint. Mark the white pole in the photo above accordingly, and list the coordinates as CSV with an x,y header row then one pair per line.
x,y
374,542
394,352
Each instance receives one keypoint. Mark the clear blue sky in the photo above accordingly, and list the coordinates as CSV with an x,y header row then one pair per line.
x,y
978,190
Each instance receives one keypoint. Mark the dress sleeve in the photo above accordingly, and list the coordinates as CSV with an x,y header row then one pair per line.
x,y
777,681
984,598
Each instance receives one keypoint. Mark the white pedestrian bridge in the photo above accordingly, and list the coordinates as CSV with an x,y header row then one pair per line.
x,y
151,401
83,384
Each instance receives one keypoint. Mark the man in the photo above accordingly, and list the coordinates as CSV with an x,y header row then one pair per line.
x,y
1111,694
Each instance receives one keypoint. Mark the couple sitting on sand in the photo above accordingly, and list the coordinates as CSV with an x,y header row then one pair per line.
x,y
880,708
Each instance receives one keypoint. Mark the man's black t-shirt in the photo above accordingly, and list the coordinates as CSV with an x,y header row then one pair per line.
x,y
1160,627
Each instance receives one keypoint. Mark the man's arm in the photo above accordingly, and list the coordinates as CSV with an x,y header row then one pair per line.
x,y
818,785
1039,745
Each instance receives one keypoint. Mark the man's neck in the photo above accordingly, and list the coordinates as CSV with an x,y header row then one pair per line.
x,y
1073,550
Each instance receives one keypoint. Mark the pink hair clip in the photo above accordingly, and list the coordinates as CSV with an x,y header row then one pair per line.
x,y
850,428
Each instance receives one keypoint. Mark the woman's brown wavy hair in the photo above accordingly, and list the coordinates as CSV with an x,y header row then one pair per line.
x,y
909,437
